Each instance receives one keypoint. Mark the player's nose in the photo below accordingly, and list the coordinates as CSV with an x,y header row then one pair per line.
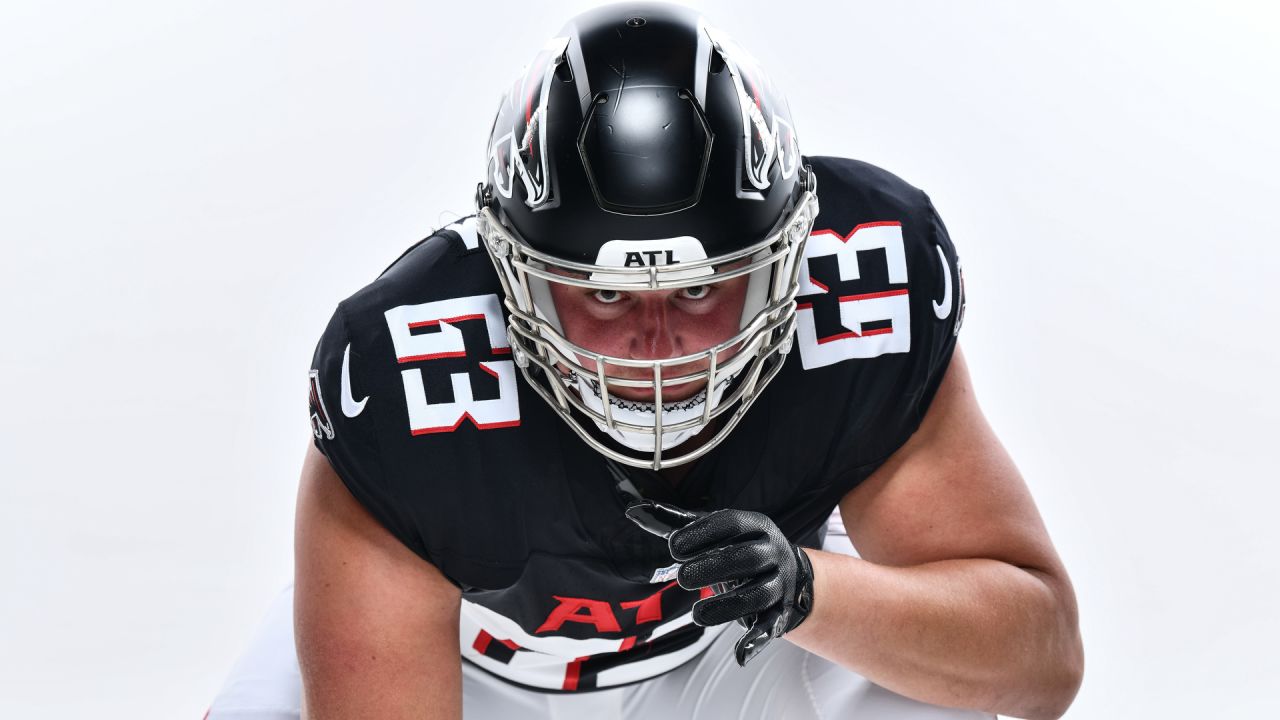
x,y
653,336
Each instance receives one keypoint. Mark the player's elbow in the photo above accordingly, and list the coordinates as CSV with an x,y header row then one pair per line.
x,y
1050,692
1068,673
1051,700
1046,696
1065,681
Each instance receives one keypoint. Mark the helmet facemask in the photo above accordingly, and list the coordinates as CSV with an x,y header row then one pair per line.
x,y
576,381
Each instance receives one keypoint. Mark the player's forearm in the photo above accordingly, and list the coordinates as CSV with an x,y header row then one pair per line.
x,y
973,633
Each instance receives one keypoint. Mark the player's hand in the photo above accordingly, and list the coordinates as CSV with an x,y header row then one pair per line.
x,y
761,579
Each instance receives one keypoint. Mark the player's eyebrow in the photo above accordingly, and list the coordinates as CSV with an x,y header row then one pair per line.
x,y
574,274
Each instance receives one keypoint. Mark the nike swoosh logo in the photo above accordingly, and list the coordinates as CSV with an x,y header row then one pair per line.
x,y
350,407
941,309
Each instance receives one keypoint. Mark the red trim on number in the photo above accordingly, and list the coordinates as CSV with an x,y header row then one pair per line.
x,y
852,334
467,416
814,281
432,356
482,642
459,318
627,643
804,306
486,369
840,336
873,295
510,644
501,351
845,238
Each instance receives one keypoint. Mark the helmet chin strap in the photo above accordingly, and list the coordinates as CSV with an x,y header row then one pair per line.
x,y
634,412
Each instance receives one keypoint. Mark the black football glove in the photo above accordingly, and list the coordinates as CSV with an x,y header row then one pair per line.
x,y
760,579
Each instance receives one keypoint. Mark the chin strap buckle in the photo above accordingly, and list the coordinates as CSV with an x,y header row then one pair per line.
x,y
807,178
484,196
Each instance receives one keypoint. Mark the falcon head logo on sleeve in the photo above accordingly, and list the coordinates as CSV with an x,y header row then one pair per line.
x,y
321,425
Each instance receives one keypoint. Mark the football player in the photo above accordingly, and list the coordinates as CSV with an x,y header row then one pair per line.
x,y
576,454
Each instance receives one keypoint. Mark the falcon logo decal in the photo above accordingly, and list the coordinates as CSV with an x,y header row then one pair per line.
x,y
519,155
766,125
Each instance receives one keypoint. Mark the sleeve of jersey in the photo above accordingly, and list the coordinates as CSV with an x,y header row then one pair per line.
x,y
892,391
346,434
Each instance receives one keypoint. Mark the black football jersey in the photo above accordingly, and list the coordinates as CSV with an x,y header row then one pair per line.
x,y
417,404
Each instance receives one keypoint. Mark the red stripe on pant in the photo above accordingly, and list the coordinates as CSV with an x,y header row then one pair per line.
x,y
482,642
571,673
494,648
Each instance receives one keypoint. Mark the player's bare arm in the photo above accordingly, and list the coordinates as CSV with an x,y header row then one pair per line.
x,y
377,627
959,598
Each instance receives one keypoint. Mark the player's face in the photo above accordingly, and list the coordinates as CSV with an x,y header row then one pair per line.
x,y
652,325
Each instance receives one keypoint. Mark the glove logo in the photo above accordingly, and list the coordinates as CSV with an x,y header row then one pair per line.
x,y
665,574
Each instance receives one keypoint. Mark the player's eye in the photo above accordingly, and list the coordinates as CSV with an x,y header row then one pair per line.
x,y
607,297
697,292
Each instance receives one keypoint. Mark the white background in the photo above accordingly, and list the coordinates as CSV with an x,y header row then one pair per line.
x,y
188,188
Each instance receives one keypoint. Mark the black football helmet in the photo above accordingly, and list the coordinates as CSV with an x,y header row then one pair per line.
x,y
643,150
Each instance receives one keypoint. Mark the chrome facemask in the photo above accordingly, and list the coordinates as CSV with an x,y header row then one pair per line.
x,y
737,369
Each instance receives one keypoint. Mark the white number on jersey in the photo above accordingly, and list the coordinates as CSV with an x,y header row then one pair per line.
x,y
889,305
432,417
